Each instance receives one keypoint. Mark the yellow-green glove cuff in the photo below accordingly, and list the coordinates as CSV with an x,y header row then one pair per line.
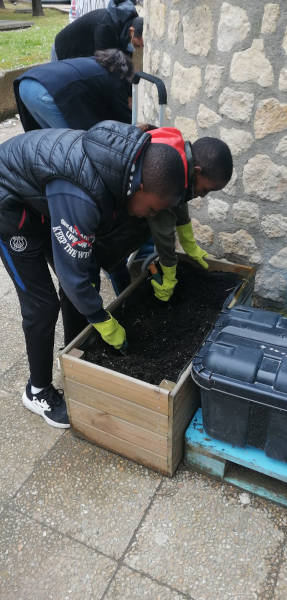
x,y
165,290
187,241
111,332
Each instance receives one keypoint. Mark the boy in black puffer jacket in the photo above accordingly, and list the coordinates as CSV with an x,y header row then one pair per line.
x,y
73,199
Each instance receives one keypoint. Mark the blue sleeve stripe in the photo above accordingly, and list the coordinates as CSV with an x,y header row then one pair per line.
x,y
12,267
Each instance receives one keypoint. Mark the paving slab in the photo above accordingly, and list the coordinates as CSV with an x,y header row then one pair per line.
x,y
9,128
7,286
25,438
197,541
92,495
130,585
281,587
11,335
41,564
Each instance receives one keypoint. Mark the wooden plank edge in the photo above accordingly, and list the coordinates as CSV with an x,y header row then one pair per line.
x,y
147,436
145,413
73,366
132,452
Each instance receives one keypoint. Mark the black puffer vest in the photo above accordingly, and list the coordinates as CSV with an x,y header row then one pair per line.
x,y
99,161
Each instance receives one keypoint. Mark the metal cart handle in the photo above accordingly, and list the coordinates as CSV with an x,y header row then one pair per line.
x,y
161,89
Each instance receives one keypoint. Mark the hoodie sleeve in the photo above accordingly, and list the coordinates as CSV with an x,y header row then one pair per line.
x,y
74,222
163,229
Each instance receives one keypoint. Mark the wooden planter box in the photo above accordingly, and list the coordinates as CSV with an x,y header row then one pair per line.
x,y
143,422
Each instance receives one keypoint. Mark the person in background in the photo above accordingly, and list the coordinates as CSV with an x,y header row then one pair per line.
x,y
76,93
78,201
81,7
117,26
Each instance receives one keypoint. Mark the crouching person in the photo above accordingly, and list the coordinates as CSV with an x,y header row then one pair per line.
x,y
210,168
79,201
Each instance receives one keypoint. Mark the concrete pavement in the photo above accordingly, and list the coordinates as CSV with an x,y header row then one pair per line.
x,y
80,523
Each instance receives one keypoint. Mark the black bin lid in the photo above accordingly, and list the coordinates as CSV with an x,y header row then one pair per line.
x,y
245,355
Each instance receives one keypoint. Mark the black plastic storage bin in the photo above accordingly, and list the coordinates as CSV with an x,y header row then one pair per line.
x,y
243,363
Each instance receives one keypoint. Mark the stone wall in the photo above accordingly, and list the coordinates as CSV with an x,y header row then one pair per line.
x,y
225,68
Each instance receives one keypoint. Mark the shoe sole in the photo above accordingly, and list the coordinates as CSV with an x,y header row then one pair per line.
x,y
54,424
41,412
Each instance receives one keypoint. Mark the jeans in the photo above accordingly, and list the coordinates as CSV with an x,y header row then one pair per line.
x,y
40,104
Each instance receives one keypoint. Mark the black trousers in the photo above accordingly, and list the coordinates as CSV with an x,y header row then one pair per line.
x,y
26,259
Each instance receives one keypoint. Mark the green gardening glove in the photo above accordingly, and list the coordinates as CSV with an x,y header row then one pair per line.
x,y
111,332
165,290
186,238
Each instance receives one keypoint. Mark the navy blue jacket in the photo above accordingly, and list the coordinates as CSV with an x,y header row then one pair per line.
x,y
84,91
97,30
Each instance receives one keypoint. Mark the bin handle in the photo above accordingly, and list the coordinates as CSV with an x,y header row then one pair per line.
x,y
161,89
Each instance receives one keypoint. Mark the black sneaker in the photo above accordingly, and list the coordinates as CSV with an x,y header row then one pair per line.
x,y
49,403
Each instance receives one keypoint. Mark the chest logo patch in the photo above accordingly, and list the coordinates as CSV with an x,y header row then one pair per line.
x,y
18,243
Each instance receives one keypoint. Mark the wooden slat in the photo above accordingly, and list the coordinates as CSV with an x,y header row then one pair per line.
x,y
220,265
76,352
124,448
117,427
117,384
114,405
167,384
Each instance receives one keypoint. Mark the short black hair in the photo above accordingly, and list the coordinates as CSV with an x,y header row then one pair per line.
x,y
163,172
115,61
214,158
137,23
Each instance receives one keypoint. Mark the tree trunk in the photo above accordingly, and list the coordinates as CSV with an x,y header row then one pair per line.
x,y
37,10
2,5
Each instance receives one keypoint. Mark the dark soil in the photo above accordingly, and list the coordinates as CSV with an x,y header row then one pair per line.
x,y
163,337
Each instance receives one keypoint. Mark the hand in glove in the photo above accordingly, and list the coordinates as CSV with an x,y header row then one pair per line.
x,y
165,290
186,238
111,332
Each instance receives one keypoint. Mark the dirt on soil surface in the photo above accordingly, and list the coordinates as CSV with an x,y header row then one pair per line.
x,y
164,336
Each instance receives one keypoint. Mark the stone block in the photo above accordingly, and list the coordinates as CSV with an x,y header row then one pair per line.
x,y
240,243
265,179
252,65
246,213
274,225
198,30
270,18
236,105
238,140
233,26
207,117
186,82
217,209
270,117
212,79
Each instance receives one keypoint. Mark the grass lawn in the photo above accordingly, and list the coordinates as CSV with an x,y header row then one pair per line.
x,y
23,47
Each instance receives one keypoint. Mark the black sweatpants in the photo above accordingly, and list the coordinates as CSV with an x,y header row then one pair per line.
x,y
26,259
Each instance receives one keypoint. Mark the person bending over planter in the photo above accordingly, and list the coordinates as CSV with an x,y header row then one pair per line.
x,y
76,93
79,201
210,169
117,26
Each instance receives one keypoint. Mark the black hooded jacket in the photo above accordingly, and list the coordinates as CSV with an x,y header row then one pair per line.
x,y
97,30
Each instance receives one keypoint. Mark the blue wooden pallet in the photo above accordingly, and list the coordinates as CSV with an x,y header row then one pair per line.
x,y
248,468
